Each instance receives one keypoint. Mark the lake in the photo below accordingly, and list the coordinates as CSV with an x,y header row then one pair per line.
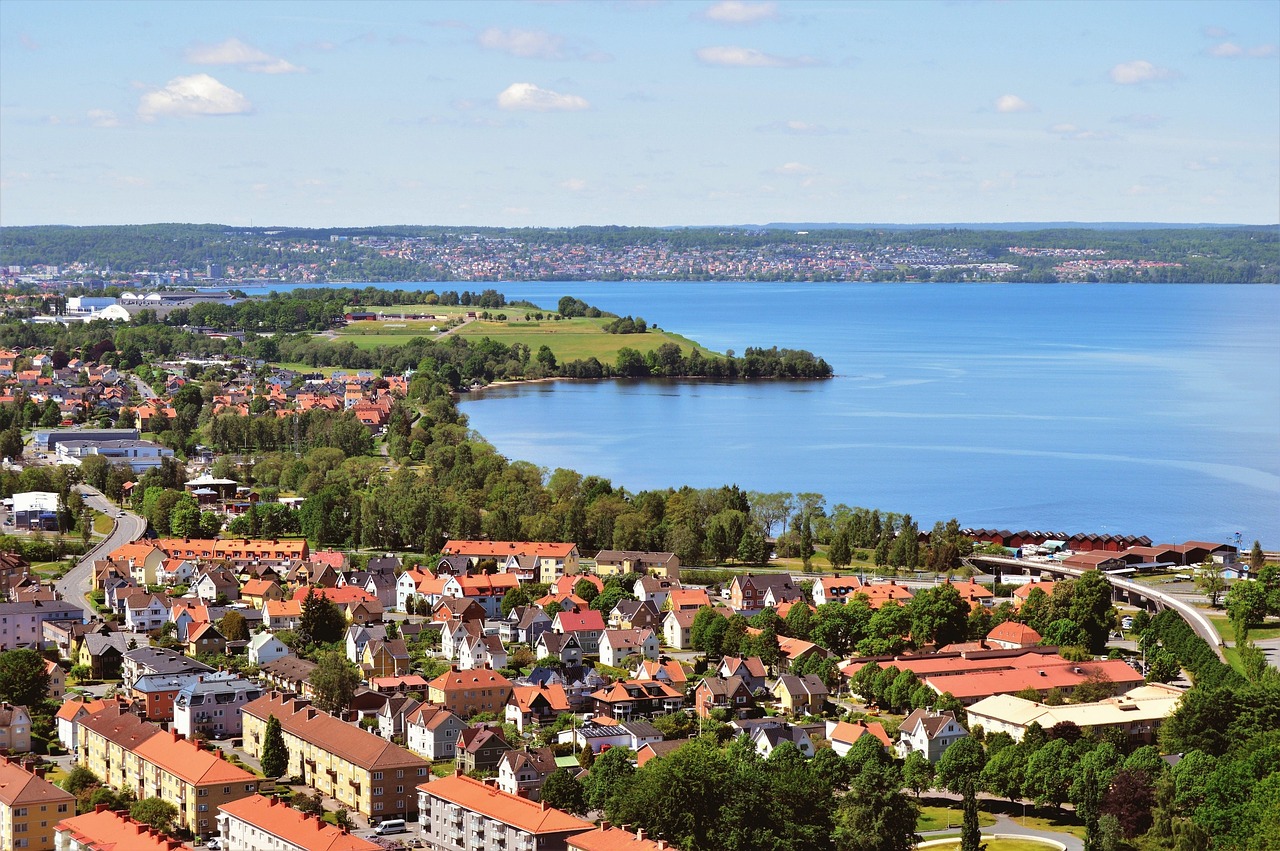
x,y
1127,409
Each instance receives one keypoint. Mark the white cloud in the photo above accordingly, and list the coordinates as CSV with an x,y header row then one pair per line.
x,y
739,12
1138,71
1013,103
527,96
747,57
1072,133
1206,164
233,51
103,118
1226,49
574,184
198,94
526,44
1263,50
793,169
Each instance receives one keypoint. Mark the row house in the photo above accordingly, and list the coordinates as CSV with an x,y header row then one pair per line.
x,y
29,807
614,562
234,550
134,755
485,589
460,813
103,829
617,645
260,822
22,623
469,692
289,674
552,560
522,773
357,768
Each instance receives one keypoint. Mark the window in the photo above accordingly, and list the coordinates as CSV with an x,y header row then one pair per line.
x,y
20,812
62,808
377,806
399,790
203,793
377,775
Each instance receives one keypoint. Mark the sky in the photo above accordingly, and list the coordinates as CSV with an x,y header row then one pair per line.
x,y
333,114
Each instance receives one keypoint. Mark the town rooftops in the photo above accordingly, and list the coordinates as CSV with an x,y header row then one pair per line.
x,y
521,813
189,761
161,660
293,827
1014,633
474,678
606,837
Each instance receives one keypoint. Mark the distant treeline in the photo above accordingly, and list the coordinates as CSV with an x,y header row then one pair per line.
x,y
1213,254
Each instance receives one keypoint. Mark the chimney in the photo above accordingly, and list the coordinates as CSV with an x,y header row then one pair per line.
x,y
640,834
604,824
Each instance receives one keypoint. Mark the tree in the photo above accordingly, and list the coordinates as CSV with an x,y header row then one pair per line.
x,y
1004,772
1091,608
23,678
1064,632
1210,580
752,547
609,779
234,627
563,791
80,779
875,815
1049,772
157,812
333,682
586,589
275,757
517,596
1247,604
707,631
1256,558
840,553
1130,799
939,615
322,622
960,771
917,772
1162,666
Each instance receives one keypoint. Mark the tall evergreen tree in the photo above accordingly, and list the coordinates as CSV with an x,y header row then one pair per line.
x,y
275,758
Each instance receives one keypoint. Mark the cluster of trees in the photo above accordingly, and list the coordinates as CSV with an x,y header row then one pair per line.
x,y
626,325
1251,602
708,797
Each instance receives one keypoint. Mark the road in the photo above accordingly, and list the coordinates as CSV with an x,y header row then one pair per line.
x,y
74,587
143,390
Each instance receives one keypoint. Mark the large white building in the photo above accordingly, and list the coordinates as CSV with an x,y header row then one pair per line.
x,y
211,705
140,455
258,823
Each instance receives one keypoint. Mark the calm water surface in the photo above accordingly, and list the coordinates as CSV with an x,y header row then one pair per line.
x,y
1120,408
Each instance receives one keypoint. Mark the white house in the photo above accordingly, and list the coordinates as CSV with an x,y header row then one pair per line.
x,y
432,731
617,644
929,734
264,648
767,737
676,627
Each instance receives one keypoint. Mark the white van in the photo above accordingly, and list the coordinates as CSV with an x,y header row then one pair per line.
x,y
391,825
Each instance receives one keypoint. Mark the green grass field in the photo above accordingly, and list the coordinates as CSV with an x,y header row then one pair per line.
x,y
940,818
1222,624
575,339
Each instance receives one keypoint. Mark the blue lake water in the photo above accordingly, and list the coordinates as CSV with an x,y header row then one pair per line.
x,y
1132,409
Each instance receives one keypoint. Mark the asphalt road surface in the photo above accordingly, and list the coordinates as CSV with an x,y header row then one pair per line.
x,y
127,527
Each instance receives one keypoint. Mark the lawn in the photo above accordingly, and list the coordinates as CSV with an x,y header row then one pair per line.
x,y
940,818
1003,845
1061,823
102,523
575,339
1222,624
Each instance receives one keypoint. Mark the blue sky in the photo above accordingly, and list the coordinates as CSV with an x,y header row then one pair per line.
x,y
638,113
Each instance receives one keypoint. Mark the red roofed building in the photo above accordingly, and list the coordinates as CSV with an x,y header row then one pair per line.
x,y
467,692
451,810
28,805
842,735
1012,635
1055,673
234,549
606,837
553,560
586,624
261,822
105,830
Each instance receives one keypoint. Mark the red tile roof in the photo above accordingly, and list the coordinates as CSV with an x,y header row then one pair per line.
x,y
609,838
502,549
521,813
1014,633
290,825
190,762
105,830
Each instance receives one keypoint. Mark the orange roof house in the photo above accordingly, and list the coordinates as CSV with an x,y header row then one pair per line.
x,y
106,830
1012,635
544,825
287,826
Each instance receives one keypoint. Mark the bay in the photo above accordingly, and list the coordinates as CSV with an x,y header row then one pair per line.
x,y
1122,409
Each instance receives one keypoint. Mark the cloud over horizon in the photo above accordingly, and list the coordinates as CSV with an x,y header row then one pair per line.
x,y
1013,103
527,96
740,12
747,57
1139,71
197,94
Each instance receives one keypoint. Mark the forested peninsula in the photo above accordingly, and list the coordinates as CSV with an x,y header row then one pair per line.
x,y
223,253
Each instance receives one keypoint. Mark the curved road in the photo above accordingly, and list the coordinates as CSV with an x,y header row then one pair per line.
x,y
74,587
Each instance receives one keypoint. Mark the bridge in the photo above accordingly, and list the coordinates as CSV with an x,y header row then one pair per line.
x,y
1122,591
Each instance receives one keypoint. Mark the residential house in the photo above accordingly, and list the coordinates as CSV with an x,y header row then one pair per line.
x,y
103,654
523,625
365,772
485,589
433,732
288,673
676,628
792,650
143,559
578,683
212,705
385,658
551,560
687,599
663,670
974,593
450,609
57,680
627,699
469,692
259,822
617,645
75,708
217,583
481,651
158,660
566,648
29,807
15,729
729,694
145,612
283,614
750,670
392,714
265,647
415,586
536,704
835,589
929,734
635,614
805,695
523,772
843,734
654,590
480,748
752,593
22,624
103,829
587,625
454,633
357,638
206,639
614,562
767,737
600,734
454,812
256,592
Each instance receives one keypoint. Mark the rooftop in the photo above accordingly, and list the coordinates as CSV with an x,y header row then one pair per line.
x,y
521,813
